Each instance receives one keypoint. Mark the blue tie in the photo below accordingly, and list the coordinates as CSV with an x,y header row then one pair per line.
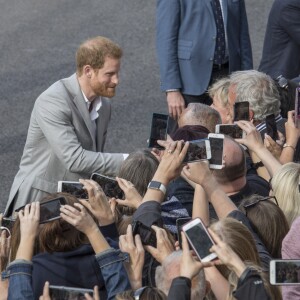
x,y
219,56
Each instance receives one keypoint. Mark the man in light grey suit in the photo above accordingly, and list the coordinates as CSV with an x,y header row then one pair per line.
x,y
68,126
198,42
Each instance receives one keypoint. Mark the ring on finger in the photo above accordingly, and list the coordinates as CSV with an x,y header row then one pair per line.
x,y
170,151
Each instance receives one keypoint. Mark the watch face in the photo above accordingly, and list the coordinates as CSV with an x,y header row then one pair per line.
x,y
155,185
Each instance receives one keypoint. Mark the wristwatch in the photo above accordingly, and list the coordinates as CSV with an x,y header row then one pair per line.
x,y
156,185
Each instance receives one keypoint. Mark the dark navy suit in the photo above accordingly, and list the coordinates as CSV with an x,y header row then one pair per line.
x,y
281,52
186,39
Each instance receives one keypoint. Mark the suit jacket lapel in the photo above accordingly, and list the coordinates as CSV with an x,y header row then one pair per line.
x,y
73,87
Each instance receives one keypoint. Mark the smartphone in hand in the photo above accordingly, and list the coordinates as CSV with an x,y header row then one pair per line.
x,y
241,111
50,210
159,126
285,272
198,150
67,293
271,127
200,239
74,188
231,130
216,147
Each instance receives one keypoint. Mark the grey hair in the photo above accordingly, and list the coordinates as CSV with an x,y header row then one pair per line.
x,y
220,88
204,115
259,89
170,269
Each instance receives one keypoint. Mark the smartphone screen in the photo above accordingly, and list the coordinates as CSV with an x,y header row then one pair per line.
x,y
285,272
159,127
179,224
74,188
297,108
50,210
68,293
216,148
109,186
241,111
271,127
198,150
199,239
231,130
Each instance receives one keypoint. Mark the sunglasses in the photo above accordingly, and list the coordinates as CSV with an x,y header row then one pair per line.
x,y
246,206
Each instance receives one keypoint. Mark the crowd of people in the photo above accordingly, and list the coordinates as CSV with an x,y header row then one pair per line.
x,y
132,248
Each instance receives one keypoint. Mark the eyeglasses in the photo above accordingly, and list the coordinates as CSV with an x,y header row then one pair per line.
x,y
246,206
139,292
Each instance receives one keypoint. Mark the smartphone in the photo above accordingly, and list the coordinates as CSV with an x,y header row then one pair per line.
x,y
68,293
231,130
271,127
241,111
74,188
198,150
50,210
109,186
216,147
200,239
285,272
179,223
158,131
297,108
147,234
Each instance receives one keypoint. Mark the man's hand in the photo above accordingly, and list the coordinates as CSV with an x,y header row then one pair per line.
x,y
98,203
198,172
175,104
164,246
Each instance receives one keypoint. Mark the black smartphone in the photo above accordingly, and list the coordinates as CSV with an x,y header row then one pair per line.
x,y
297,108
231,130
241,111
74,188
285,272
68,293
179,223
147,234
200,239
271,127
50,210
158,131
198,150
109,186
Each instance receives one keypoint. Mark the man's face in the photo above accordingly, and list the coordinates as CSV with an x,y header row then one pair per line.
x,y
104,81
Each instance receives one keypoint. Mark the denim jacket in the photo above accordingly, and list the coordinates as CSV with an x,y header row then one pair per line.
x,y
19,273
113,271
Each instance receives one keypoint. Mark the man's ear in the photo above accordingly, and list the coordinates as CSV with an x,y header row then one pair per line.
x,y
87,71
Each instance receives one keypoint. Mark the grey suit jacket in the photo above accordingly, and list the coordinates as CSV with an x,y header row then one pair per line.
x,y
186,40
281,51
60,144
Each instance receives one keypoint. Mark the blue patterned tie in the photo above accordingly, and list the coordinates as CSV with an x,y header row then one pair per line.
x,y
219,56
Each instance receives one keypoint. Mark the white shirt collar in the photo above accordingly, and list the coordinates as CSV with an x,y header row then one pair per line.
x,y
97,103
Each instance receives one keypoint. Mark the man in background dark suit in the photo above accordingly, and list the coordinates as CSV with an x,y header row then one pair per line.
x,y
198,42
281,51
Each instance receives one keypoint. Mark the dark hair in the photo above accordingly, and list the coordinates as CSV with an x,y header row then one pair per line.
x,y
269,222
190,133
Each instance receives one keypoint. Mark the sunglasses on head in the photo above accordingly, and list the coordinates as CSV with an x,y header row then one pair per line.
x,y
246,206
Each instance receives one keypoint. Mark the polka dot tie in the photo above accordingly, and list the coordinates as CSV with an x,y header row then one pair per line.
x,y
219,55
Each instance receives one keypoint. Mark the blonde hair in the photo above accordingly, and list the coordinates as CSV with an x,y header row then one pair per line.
x,y
220,89
285,186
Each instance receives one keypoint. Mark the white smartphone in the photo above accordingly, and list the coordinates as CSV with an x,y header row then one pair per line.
x,y
200,239
231,130
198,150
285,271
216,147
74,188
